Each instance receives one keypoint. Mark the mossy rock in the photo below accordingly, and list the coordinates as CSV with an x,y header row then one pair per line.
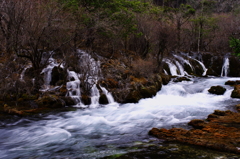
x,y
148,92
86,99
218,90
133,97
103,99
50,101
236,92
68,101
180,79
165,79
63,90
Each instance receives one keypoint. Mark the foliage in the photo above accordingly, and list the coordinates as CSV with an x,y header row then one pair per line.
x,y
234,43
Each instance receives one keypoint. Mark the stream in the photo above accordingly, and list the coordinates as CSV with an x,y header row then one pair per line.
x,y
115,129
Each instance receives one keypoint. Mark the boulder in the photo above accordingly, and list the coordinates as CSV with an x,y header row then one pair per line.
x,y
86,99
218,90
236,92
103,99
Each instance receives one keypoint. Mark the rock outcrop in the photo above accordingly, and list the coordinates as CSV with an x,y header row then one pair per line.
x,y
218,90
220,131
236,92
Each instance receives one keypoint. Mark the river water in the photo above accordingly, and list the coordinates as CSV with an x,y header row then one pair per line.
x,y
113,129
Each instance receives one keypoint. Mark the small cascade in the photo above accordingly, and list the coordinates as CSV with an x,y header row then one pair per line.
x,y
172,68
73,86
48,73
89,74
108,95
94,96
184,61
203,67
180,68
23,72
225,67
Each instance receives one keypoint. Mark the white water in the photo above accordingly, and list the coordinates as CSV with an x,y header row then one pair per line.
x,y
172,68
180,68
225,68
203,66
89,73
47,73
108,95
73,87
94,96
112,129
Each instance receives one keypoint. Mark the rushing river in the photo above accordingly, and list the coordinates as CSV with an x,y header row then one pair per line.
x,y
112,129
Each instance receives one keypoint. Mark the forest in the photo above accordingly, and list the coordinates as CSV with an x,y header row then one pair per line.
x,y
136,33
90,78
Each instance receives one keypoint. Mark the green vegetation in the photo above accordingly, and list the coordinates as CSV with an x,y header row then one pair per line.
x,y
235,45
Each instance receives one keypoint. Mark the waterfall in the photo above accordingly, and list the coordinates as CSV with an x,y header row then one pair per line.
x,y
94,96
73,87
23,72
108,95
184,61
172,67
89,73
180,68
48,73
225,67
203,67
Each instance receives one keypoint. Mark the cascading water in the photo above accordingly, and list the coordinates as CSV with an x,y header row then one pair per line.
x,y
184,61
94,96
180,68
225,67
89,73
47,73
203,67
23,72
172,68
73,87
113,129
108,95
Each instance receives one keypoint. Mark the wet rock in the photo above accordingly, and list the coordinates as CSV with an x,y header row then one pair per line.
x,y
197,123
50,101
231,83
86,99
234,66
57,76
69,101
236,92
218,90
180,79
103,99
220,133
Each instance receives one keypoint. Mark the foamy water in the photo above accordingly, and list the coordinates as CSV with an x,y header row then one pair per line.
x,y
114,128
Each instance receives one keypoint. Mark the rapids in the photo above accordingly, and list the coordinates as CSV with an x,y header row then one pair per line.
x,y
112,129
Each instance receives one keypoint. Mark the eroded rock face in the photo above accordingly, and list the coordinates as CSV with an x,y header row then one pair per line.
x,y
218,90
236,92
220,131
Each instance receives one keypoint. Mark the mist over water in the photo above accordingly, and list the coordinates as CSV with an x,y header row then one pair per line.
x,y
113,128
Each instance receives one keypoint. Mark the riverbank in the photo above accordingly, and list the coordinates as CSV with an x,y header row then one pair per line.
x,y
220,131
